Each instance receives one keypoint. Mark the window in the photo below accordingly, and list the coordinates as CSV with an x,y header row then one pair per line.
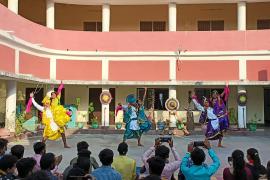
x,y
92,26
211,25
155,97
152,26
263,24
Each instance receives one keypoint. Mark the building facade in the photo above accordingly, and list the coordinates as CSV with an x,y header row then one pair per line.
x,y
170,47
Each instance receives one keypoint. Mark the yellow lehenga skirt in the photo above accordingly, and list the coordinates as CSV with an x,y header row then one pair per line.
x,y
49,132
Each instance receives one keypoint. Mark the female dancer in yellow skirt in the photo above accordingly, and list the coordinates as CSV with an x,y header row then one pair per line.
x,y
54,118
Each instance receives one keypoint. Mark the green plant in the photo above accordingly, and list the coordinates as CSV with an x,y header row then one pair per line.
x,y
232,116
19,123
254,119
95,120
91,110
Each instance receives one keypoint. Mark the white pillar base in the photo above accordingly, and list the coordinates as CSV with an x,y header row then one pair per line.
x,y
241,16
242,112
172,16
105,18
13,5
105,110
10,123
50,14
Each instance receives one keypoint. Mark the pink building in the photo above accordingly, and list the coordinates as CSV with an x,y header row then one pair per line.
x,y
170,47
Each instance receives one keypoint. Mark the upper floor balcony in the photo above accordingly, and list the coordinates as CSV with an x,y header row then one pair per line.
x,y
150,15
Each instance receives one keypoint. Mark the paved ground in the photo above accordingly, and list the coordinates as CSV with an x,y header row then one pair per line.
x,y
99,141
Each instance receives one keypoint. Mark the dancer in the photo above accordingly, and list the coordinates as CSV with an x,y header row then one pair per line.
x,y
53,124
135,119
210,120
218,103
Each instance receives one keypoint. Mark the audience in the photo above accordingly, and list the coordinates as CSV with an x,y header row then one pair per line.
x,y
39,149
163,152
84,153
3,147
25,167
8,167
39,175
47,163
43,165
106,172
268,170
80,170
156,166
197,169
18,151
238,170
254,164
124,164
81,146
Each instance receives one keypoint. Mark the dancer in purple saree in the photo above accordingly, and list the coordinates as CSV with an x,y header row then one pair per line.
x,y
218,102
209,119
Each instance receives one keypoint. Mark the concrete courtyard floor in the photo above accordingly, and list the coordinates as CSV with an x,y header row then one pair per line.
x,y
100,141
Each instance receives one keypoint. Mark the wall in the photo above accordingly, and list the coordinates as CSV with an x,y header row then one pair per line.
x,y
189,14
34,10
127,18
4,2
255,103
121,92
72,17
257,11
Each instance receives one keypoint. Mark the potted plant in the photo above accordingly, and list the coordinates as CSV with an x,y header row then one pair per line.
x,y
118,125
253,123
94,123
161,125
20,119
179,125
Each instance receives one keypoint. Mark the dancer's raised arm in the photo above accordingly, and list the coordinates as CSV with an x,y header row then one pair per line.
x,y
39,107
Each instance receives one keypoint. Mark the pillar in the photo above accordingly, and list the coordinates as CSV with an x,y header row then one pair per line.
x,y
50,14
241,16
10,123
172,17
242,111
13,5
105,110
105,18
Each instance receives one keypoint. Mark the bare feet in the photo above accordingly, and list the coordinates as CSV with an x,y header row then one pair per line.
x,y
66,146
221,146
139,144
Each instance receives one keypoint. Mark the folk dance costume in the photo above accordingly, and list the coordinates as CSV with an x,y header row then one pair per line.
x,y
220,109
136,121
54,116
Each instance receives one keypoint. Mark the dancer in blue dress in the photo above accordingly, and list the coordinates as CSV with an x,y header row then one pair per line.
x,y
136,121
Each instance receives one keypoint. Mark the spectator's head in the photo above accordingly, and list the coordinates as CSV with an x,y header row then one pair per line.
x,y
122,148
40,148
197,156
39,175
82,145
253,155
156,165
17,150
152,177
84,164
238,165
162,152
106,157
268,170
74,173
25,167
84,153
47,161
3,146
8,163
